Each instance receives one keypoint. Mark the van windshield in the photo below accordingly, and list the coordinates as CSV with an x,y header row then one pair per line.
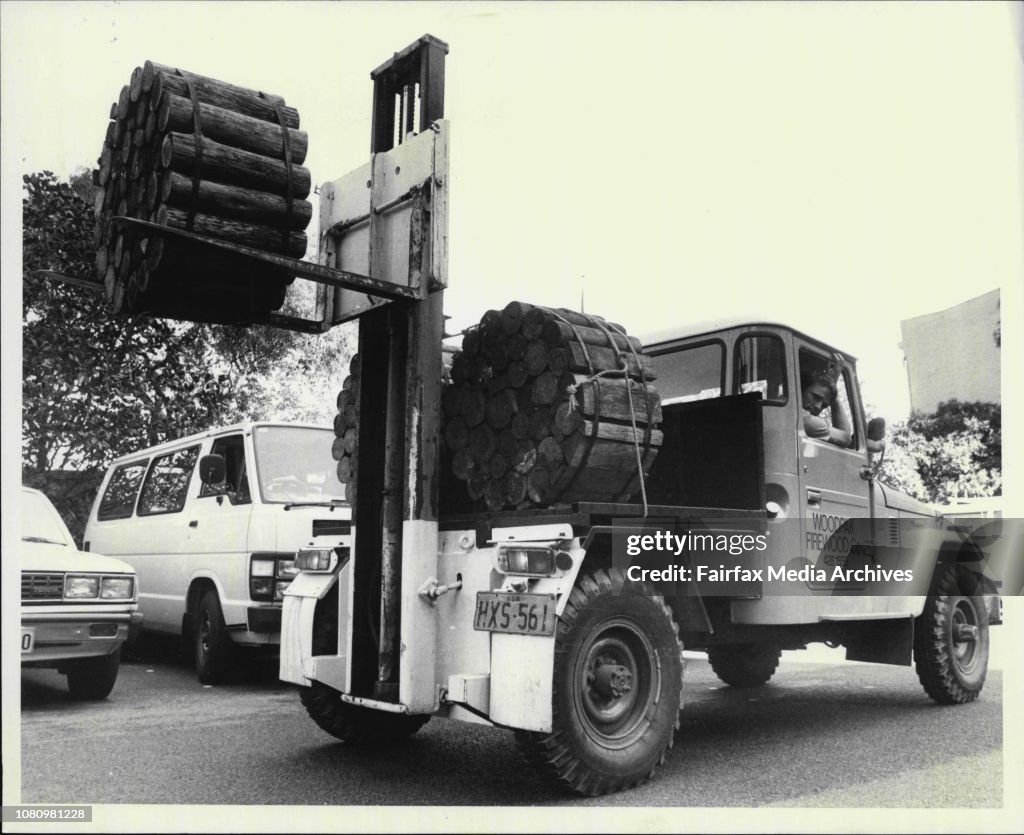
x,y
294,464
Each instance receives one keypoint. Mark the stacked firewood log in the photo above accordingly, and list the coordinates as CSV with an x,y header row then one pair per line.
x,y
194,153
346,430
549,406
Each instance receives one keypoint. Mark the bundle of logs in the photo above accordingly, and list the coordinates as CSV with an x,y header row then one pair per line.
x,y
549,406
346,430
201,155
543,406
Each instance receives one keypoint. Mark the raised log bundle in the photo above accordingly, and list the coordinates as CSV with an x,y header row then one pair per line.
x,y
346,430
194,153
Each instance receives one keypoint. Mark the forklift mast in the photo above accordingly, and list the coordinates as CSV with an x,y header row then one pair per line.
x,y
395,512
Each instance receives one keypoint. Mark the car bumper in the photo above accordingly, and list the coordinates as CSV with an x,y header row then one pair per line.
x,y
264,619
68,637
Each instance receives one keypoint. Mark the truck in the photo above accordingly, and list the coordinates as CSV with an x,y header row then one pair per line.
x,y
535,620
566,623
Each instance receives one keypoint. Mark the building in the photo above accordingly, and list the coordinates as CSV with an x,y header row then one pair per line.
x,y
953,354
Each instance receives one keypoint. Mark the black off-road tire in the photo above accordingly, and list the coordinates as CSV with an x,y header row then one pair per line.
x,y
94,678
214,651
355,724
611,728
744,665
951,639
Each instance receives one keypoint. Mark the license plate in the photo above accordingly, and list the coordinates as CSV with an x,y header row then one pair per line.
x,y
28,640
519,614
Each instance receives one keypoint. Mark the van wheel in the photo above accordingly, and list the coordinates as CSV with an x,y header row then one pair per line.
x,y
93,679
617,689
355,724
744,665
951,639
213,647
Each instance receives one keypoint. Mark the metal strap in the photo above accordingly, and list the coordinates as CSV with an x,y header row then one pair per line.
x,y
197,139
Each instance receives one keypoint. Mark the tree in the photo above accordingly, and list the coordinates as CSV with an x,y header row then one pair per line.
x,y
95,387
955,452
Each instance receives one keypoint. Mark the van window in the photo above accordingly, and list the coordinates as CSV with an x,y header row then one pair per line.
x,y
167,483
696,372
761,367
118,500
236,480
294,464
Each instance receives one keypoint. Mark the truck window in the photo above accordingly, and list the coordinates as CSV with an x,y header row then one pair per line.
x,y
761,367
812,365
165,488
696,372
118,500
232,448
294,464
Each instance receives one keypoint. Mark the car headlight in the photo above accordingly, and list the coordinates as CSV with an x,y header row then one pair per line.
x,y
263,567
287,568
117,588
78,587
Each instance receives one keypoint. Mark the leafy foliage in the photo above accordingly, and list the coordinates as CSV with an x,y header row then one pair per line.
x,y
95,387
955,452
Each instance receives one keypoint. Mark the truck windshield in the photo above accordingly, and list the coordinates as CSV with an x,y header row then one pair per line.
x,y
294,464
39,522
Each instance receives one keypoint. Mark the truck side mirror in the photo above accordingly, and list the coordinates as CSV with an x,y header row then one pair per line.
x,y
876,435
212,469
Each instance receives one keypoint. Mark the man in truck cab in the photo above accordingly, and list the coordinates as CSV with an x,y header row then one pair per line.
x,y
820,391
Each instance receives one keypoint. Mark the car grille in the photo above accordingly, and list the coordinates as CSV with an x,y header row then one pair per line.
x,y
42,586
331,527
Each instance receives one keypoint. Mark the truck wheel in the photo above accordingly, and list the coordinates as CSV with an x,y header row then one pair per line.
x,y
951,640
213,647
355,724
93,679
744,665
617,689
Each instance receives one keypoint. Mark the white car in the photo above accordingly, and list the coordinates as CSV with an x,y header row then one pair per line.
x,y
77,608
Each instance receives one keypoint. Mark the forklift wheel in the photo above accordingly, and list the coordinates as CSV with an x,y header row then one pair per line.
x,y
951,639
355,724
744,665
617,690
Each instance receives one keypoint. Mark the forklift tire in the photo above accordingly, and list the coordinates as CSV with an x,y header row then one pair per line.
x,y
951,639
611,728
214,650
744,665
354,724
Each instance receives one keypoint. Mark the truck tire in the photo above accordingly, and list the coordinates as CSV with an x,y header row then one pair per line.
x,y
94,678
611,728
354,724
951,639
214,650
744,665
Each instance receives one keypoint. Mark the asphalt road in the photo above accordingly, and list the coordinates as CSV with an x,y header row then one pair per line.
x,y
846,735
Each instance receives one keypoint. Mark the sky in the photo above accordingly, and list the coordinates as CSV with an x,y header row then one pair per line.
x,y
839,167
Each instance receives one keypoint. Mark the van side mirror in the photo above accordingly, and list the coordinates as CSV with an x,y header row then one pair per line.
x,y
212,469
876,435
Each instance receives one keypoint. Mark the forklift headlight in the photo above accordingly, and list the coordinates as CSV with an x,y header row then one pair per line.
x,y
316,559
518,559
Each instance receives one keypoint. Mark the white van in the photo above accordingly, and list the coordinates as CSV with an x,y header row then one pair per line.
x,y
211,524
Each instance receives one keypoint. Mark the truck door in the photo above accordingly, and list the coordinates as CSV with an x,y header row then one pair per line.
x,y
832,490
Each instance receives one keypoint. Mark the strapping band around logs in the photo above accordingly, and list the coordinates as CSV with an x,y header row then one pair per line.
x,y
289,188
197,139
